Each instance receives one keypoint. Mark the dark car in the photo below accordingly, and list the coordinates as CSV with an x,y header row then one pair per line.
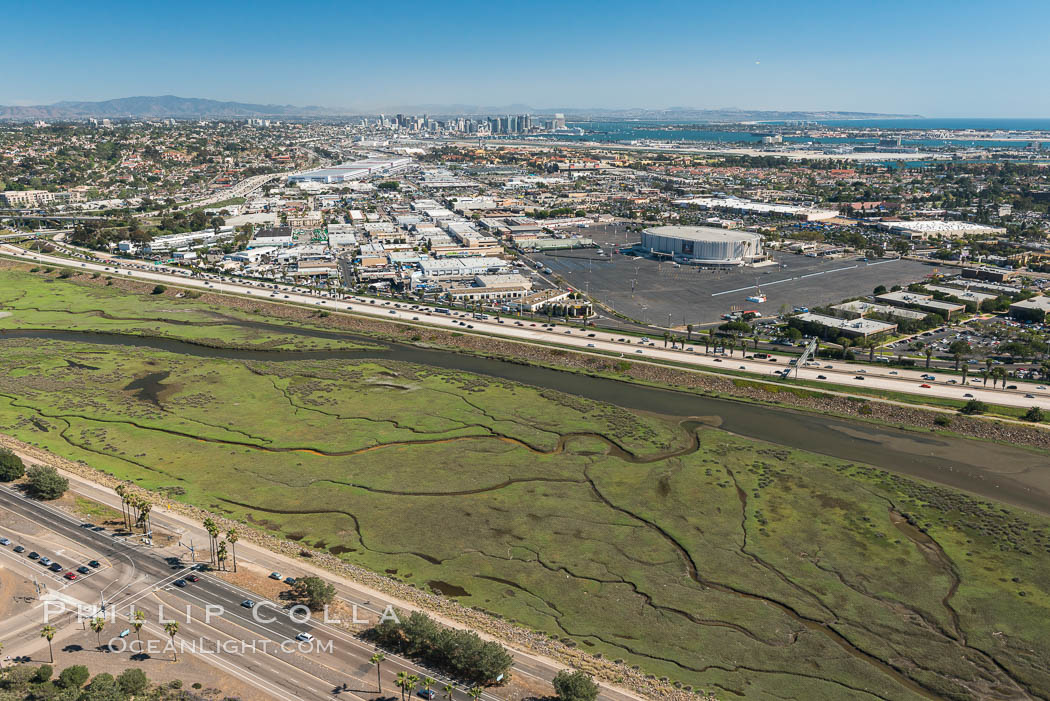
x,y
33,555
55,567
95,563
180,583
19,549
821,377
193,578
83,570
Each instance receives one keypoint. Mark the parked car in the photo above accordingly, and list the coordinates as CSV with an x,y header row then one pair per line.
x,y
4,541
95,563
33,555
83,570
181,583
19,549
276,575
70,576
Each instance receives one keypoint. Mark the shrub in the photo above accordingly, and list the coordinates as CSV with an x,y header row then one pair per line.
x,y
314,592
1035,415
66,273
73,677
943,420
43,673
974,406
133,682
11,466
461,653
575,686
45,482
159,290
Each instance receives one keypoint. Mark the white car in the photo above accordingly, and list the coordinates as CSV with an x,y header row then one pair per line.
x,y
4,541
304,637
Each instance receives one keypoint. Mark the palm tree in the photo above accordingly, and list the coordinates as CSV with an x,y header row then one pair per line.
x,y
427,683
448,689
220,555
402,683
145,506
689,333
475,692
928,352
231,537
213,532
137,622
48,632
122,492
377,660
413,682
97,624
171,628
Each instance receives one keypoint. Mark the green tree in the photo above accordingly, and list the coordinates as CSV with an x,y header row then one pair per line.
x,y
73,677
377,660
1035,415
138,620
974,406
314,592
98,624
102,688
575,686
232,537
48,633
133,682
43,673
11,466
172,629
45,483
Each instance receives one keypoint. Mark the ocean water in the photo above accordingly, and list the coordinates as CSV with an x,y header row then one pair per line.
x,y
621,131
992,124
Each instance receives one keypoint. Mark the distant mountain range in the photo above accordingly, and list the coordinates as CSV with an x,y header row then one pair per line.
x,y
160,107
165,106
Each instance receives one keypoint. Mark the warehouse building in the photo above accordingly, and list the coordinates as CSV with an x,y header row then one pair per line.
x,y
703,245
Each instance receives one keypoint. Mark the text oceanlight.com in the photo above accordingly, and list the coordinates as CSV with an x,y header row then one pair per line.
x,y
203,646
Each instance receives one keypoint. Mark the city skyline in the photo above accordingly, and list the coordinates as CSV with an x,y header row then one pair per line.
x,y
906,59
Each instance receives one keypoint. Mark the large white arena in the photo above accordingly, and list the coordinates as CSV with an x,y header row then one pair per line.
x,y
703,245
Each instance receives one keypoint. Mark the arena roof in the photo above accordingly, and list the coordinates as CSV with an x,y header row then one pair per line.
x,y
702,233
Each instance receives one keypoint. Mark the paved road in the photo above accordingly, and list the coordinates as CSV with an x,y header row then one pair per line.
x,y
841,374
140,576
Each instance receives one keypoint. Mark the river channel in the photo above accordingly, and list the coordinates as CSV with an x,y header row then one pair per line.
x,y
1009,474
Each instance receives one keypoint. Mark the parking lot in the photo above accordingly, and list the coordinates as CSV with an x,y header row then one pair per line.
x,y
650,290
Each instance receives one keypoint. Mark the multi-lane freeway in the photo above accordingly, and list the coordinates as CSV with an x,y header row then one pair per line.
x,y
840,375
135,576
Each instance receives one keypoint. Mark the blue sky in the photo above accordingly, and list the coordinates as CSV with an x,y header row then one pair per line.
x,y
931,57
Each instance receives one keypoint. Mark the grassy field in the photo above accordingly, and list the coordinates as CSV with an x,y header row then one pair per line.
x,y
36,301
733,566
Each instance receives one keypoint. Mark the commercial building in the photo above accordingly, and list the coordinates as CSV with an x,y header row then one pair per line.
x,y
740,206
926,302
355,170
277,236
926,228
849,328
491,288
962,295
164,244
859,308
703,245
1034,309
